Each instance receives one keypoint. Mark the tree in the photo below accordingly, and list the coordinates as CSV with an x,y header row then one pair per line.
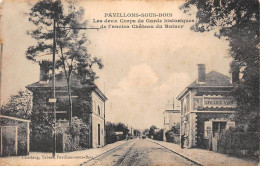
x,y
136,132
152,131
110,133
65,19
78,129
159,135
146,131
238,22
19,105
122,127
176,128
111,128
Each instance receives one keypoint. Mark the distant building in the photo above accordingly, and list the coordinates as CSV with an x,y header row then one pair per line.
x,y
207,108
170,118
88,105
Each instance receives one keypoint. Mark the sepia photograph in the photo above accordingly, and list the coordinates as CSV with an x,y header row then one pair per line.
x,y
129,83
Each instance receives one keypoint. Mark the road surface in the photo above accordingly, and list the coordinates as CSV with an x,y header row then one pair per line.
x,y
139,152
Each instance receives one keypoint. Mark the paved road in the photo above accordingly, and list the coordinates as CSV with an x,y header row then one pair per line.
x,y
139,152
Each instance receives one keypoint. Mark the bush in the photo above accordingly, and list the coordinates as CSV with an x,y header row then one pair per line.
x,y
159,135
172,137
19,105
78,134
239,143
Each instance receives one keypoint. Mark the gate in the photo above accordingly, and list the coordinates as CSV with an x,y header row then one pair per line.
x,y
59,143
9,140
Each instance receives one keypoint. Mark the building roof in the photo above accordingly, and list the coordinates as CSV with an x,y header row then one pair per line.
x,y
212,79
61,83
99,93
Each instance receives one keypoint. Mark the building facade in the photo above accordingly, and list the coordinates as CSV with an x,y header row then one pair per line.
x,y
98,119
170,118
88,105
207,108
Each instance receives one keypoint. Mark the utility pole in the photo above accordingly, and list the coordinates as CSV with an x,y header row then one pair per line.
x,y
1,60
68,28
53,89
53,100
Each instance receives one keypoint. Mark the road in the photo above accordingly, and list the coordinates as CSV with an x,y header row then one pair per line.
x,y
139,152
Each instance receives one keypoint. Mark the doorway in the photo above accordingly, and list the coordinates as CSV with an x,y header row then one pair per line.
x,y
218,128
99,134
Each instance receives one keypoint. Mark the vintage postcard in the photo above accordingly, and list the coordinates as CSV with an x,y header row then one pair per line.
x,y
129,83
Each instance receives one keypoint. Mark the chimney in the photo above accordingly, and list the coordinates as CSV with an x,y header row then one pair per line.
x,y
168,106
43,71
201,73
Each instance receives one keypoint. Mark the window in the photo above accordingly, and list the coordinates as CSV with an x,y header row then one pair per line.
x,y
99,112
207,129
188,103
95,106
182,106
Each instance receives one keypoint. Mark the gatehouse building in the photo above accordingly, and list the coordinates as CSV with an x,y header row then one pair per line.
x,y
207,108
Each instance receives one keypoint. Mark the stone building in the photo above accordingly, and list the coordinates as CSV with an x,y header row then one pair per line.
x,y
170,118
88,105
207,108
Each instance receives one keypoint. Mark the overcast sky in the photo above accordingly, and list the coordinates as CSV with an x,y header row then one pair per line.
x,y
143,68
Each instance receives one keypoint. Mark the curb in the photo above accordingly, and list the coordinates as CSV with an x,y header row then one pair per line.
x,y
176,153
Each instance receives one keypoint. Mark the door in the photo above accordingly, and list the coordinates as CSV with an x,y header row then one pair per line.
x,y
59,143
99,134
9,140
218,127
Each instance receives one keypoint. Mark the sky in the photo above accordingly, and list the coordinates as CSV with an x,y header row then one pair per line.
x,y
143,68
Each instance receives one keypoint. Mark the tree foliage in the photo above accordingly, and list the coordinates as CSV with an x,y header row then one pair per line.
x,y
122,127
238,22
152,131
19,105
145,132
159,135
78,129
136,132
67,18
175,129
71,42
111,128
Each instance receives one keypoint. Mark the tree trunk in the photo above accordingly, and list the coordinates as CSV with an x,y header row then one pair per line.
x,y
70,102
